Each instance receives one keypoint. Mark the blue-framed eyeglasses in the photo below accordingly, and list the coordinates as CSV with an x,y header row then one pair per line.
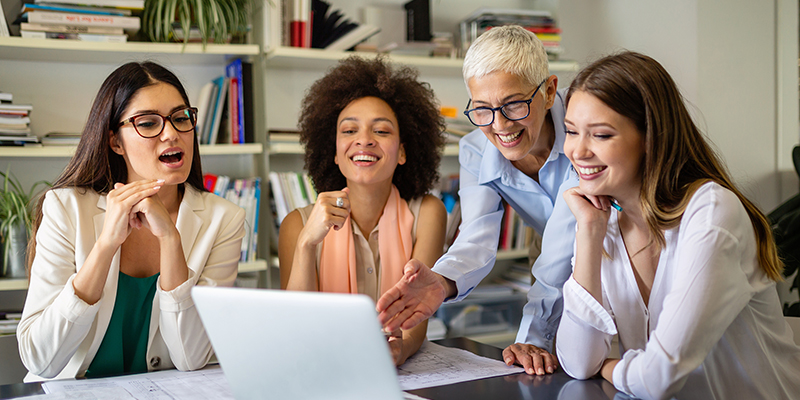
x,y
513,110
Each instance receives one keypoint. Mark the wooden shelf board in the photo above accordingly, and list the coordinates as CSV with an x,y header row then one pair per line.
x,y
299,58
13,284
24,49
68,151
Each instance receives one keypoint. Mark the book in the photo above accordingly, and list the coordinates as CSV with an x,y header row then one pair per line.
x,y
234,71
123,4
27,7
233,111
354,37
61,139
112,21
86,37
243,72
6,97
219,103
246,106
15,131
27,26
15,107
208,119
299,25
10,120
203,102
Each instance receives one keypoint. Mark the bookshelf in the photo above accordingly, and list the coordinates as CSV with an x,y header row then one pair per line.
x,y
61,77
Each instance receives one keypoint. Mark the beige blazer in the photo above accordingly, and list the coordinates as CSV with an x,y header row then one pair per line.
x,y
59,333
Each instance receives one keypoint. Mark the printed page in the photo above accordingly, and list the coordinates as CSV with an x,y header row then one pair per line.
x,y
208,383
436,365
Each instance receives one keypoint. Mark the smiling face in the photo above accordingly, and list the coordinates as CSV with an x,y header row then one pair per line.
x,y
167,156
514,139
368,147
605,148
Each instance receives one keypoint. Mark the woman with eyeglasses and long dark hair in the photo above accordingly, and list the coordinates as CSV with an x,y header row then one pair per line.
x,y
123,235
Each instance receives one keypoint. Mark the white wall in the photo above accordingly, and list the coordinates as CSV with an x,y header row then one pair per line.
x,y
730,61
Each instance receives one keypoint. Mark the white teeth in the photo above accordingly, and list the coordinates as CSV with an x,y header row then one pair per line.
x,y
590,171
509,138
364,157
171,153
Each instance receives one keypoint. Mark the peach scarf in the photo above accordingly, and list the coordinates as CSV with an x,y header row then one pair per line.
x,y
337,265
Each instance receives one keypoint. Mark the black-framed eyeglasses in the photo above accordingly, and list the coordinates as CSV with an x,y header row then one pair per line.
x,y
513,110
151,125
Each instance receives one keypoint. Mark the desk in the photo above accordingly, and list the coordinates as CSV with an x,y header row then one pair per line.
x,y
557,386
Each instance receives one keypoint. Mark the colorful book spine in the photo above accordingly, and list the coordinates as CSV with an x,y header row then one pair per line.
x,y
50,17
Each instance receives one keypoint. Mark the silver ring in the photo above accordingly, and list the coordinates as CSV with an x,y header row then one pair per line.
x,y
339,202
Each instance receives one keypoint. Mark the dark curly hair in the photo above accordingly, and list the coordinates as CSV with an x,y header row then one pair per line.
x,y
413,102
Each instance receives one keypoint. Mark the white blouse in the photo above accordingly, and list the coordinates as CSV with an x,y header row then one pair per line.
x,y
714,327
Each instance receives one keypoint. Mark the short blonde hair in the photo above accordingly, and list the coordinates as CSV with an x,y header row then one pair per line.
x,y
511,49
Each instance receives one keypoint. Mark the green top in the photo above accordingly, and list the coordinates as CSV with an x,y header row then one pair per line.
x,y
124,346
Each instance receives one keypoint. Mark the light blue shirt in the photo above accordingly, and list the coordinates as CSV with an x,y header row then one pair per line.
x,y
487,177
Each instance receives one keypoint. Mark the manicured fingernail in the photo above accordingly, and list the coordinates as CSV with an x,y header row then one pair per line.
x,y
540,371
160,181
156,187
530,371
549,370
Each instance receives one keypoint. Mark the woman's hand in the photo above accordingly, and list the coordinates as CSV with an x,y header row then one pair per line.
x,y
591,212
121,214
324,216
151,214
535,360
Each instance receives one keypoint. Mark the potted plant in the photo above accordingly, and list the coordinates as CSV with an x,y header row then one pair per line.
x,y
16,224
215,21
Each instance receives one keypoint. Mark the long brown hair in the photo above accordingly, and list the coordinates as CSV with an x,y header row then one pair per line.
x,y
94,166
677,159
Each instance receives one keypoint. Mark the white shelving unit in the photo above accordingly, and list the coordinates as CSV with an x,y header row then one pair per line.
x,y
41,62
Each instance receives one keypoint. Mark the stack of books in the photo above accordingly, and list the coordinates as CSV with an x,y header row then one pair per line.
x,y
86,20
15,129
246,193
225,106
539,22
61,139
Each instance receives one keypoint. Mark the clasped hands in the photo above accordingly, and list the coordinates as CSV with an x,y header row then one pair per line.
x,y
419,294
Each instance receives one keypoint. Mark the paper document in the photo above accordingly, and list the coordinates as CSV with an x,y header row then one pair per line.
x,y
436,365
208,383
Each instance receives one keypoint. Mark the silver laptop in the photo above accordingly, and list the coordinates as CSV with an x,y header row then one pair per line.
x,y
298,345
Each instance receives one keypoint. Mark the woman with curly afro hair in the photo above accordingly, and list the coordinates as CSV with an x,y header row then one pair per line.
x,y
373,138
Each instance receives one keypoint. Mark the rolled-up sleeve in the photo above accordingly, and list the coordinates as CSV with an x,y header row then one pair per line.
x,y
473,254
585,332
